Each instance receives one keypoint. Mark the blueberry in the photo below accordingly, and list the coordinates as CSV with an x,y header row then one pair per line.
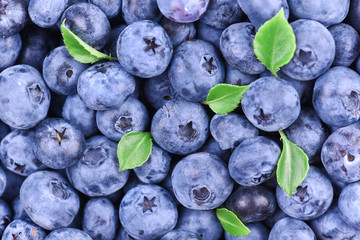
x,y
110,47
212,146
178,32
311,198
20,229
272,219
130,116
260,11
58,144
252,204
89,23
265,109
354,14
208,34
76,113
61,71
331,226
97,172
105,86
254,161
180,127
235,77
201,181
308,133
12,17
349,204
10,49
158,90
299,230
196,67
99,219
321,11
180,234
44,13
144,49
183,11
13,184
148,212
18,210
315,50
347,41
137,10
16,153
3,181
204,223
68,233
236,45
155,169
123,235
4,130
231,129
49,200
25,99
5,215
258,231
110,8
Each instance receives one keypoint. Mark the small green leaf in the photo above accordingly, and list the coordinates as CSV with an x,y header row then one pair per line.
x,y
224,98
231,223
293,166
78,49
134,149
275,43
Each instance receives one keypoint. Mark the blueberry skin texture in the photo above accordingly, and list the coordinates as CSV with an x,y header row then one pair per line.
x,y
97,173
254,161
130,116
57,143
308,133
18,210
212,146
49,200
272,219
258,231
195,68
123,235
180,127
68,233
348,204
23,230
258,14
229,130
354,14
16,153
89,23
180,234
321,11
252,204
209,34
265,109
299,230
10,49
25,99
331,226
148,212
110,8
178,32
156,168
347,41
76,113
336,97
315,50
12,17
3,181
222,13
144,49
236,45
236,77
5,215
138,10
100,210
45,14
201,181
13,184
310,200
105,86
204,223
110,47
61,71
183,11
158,90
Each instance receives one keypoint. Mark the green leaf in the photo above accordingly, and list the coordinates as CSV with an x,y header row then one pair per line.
x,y
134,149
224,98
78,49
231,223
293,166
275,43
